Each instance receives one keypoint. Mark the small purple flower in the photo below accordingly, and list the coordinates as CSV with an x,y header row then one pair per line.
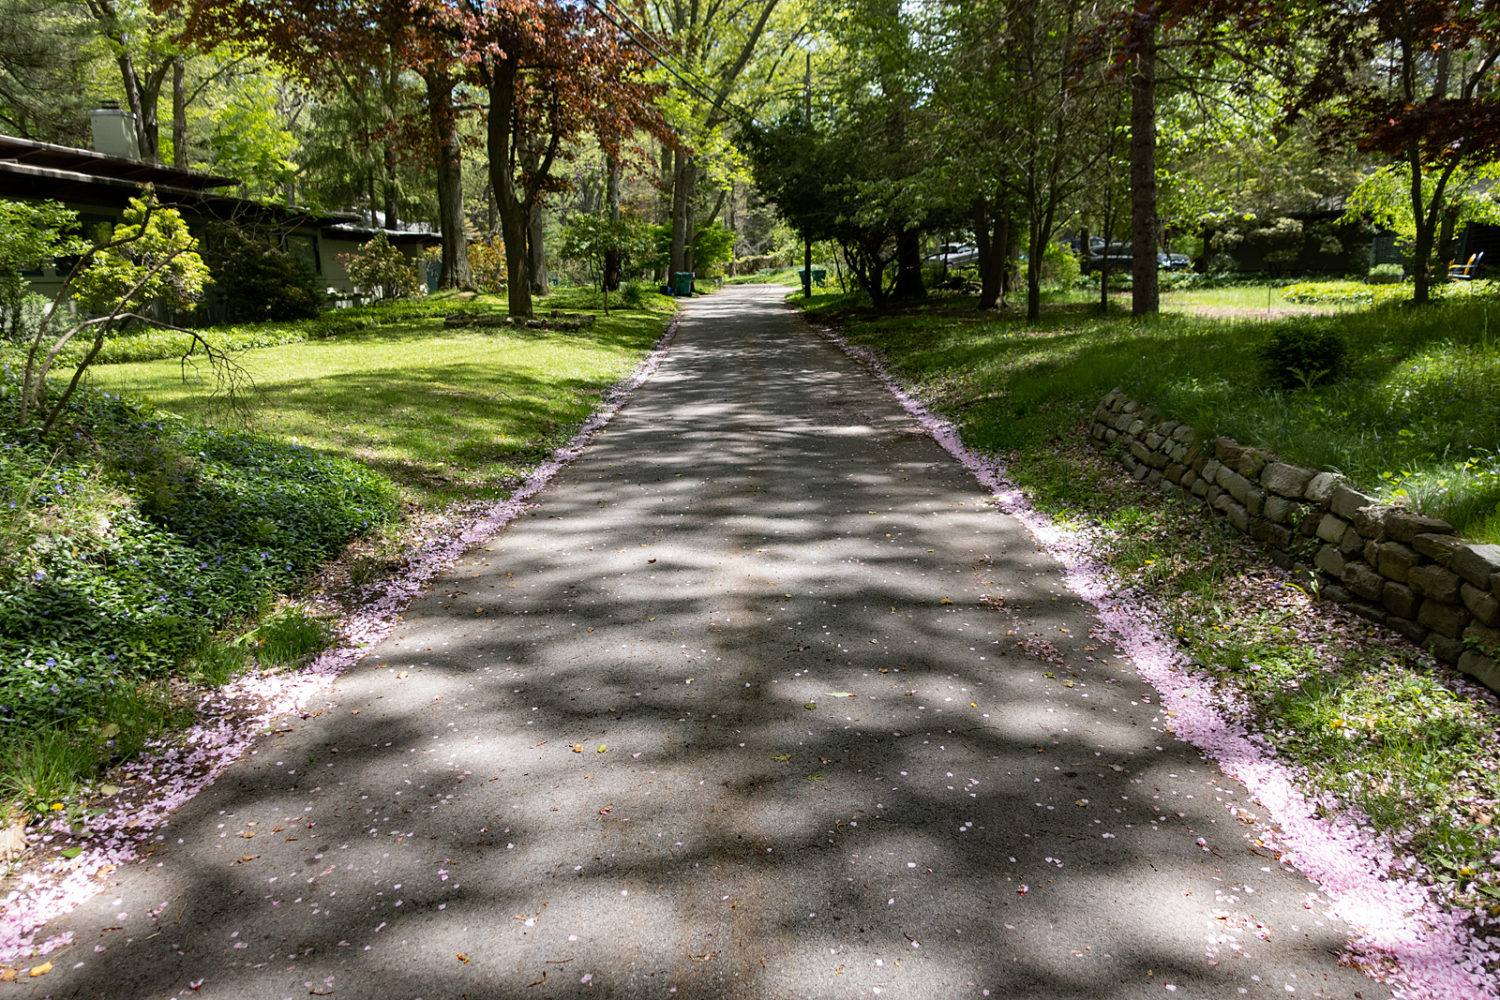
x,y
51,661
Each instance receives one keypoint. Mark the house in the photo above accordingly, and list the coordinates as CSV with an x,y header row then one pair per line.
x,y
98,183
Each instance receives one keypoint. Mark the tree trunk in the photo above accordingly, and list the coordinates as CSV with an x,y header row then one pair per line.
x,y
1445,241
455,273
513,216
389,188
1034,249
664,187
684,181
536,218
908,265
612,261
1422,246
179,112
991,247
536,232
1145,298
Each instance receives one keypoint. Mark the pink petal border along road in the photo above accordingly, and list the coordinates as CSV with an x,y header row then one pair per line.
x,y
1424,951
159,782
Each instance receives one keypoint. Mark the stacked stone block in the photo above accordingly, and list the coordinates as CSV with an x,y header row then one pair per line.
x,y
1385,562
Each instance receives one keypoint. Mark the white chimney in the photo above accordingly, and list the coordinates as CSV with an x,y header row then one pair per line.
x,y
114,131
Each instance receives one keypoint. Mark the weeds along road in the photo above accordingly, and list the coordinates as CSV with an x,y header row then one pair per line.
x,y
761,700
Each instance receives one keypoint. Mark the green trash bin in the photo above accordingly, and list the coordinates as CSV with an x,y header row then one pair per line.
x,y
819,275
682,282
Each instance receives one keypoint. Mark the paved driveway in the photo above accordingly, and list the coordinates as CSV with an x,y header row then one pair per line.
x,y
762,700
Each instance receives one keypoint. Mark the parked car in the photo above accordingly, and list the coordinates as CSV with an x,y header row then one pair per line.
x,y
1121,257
955,255
1095,242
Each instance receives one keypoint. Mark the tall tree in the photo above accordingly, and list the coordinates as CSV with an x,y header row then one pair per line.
x,y
1020,132
44,55
1408,80
361,48
552,73
145,47
714,44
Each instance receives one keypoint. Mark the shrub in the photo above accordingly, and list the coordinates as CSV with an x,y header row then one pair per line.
x,y
1059,266
255,279
379,269
1386,274
633,294
487,262
1302,357
31,235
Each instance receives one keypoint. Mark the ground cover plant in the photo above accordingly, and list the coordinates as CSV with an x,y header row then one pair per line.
x,y
150,548
1377,730
127,545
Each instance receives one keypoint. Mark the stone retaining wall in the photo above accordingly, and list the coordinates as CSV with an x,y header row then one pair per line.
x,y
1387,563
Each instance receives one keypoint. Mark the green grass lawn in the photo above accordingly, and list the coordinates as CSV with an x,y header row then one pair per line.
x,y
1246,299
1239,301
1416,419
788,276
446,414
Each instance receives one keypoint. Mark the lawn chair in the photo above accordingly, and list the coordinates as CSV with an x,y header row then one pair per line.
x,y
1466,272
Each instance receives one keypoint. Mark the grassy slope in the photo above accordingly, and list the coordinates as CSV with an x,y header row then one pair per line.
x,y
1417,418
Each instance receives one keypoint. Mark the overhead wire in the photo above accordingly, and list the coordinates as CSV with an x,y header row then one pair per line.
x,y
698,86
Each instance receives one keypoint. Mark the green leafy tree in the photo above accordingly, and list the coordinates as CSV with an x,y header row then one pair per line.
x,y
1385,198
149,263
31,235
255,279
381,270
597,239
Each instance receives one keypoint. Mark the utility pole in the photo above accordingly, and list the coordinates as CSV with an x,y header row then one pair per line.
x,y
807,117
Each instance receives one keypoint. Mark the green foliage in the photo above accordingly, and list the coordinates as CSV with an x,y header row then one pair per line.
x,y
633,294
1384,197
251,142
1059,266
32,235
1386,274
1285,245
289,638
150,259
593,238
713,247
381,270
256,279
1300,357
1343,292
123,558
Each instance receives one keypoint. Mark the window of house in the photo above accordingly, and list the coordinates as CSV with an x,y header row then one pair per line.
x,y
304,249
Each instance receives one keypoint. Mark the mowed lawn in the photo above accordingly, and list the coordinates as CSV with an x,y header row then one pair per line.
x,y
446,414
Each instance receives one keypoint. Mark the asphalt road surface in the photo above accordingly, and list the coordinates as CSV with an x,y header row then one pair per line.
x,y
761,700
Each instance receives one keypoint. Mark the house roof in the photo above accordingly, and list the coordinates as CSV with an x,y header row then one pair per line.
x,y
40,170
